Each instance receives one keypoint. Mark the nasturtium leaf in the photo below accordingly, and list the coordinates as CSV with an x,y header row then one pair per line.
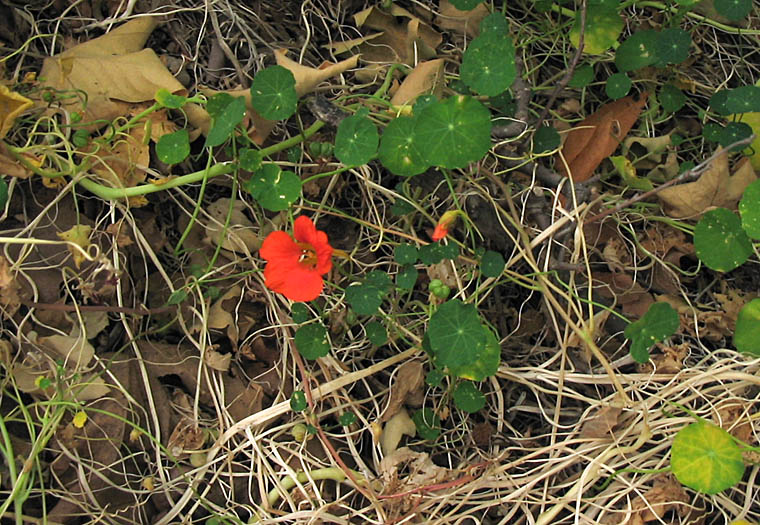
x,y
720,242
733,9
660,322
401,207
492,264
376,333
347,418
712,131
603,27
454,132
431,253
486,364
673,45
422,102
168,100
450,250
177,297
465,5
3,194
671,98
468,398
747,333
299,313
173,147
356,140
456,334
734,132
405,254
298,401
434,378
407,277
582,76
488,64
494,23
749,209
617,86
399,151
743,99
719,102
250,159
367,297
704,457
428,424
504,104
273,188
273,93
311,341
545,139
639,50
226,113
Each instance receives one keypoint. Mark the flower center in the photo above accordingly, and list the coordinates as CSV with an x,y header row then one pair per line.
x,y
308,256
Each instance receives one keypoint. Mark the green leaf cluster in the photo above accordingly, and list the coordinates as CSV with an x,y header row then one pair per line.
x,y
660,322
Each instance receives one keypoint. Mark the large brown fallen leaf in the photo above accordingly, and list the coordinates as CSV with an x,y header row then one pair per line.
x,y
426,78
402,37
715,187
112,70
468,22
597,137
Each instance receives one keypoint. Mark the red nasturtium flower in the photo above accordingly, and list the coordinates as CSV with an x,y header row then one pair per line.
x,y
295,267
446,221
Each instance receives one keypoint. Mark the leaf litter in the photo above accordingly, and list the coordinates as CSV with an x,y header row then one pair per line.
x,y
91,330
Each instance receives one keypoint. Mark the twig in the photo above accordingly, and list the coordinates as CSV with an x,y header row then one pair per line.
x,y
522,92
694,172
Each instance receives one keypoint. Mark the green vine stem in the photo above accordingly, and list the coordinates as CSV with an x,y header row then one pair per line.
x,y
289,482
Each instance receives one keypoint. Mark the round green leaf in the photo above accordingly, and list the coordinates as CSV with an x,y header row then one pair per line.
x,y
711,131
719,102
3,193
456,334
545,139
428,424
431,253
660,322
311,341
749,209
671,98
299,313
407,277
226,113
173,147
492,264
494,23
166,99
733,9
454,132
347,418
367,297
465,5
376,333
488,64
405,254
356,140
673,45
434,378
399,150
273,93
468,398
747,334
582,76
618,86
250,159
603,27
734,132
273,188
705,458
720,242
298,401
486,364
638,51
744,99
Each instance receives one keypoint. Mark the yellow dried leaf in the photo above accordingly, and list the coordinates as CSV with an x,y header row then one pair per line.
x,y
80,235
80,418
427,78
11,106
467,22
308,78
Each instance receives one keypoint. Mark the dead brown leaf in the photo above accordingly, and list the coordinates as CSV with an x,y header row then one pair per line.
x,y
9,288
395,428
426,78
186,437
12,104
467,22
629,294
602,423
715,187
667,245
409,378
666,495
122,162
598,136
